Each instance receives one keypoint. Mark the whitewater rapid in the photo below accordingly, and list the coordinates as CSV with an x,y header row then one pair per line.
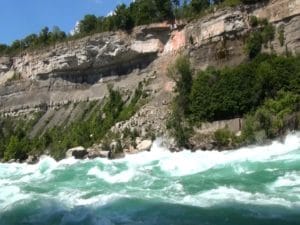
x,y
251,185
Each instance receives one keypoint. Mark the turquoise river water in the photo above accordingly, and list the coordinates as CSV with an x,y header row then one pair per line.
x,y
253,185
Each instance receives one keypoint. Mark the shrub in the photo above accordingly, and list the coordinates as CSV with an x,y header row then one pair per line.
x,y
268,33
281,36
223,137
178,128
262,35
119,148
233,92
224,94
273,118
181,73
253,21
253,45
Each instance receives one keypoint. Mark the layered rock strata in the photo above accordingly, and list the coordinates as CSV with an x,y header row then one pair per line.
x,y
78,71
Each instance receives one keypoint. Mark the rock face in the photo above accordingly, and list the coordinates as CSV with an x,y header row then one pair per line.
x,y
97,153
75,71
77,152
225,30
91,58
116,155
116,53
5,64
96,56
32,159
145,145
78,70
234,125
277,10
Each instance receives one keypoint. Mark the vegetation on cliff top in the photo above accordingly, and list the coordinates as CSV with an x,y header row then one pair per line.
x,y
139,12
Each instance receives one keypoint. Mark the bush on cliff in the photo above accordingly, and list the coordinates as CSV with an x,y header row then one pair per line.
x,y
264,33
265,91
233,92
225,138
181,73
16,148
273,118
14,143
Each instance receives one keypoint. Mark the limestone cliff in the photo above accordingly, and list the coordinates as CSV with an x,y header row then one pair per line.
x,y
78,70
225,30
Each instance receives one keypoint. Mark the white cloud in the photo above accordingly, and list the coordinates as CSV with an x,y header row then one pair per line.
x,y
75,30
111,13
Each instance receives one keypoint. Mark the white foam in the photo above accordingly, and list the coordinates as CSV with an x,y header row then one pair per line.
x,y
40,171
122,177
10,195
99,200
290,179
228,194
173,188
157,152
139,168
72,198
30,173
186,163
68,161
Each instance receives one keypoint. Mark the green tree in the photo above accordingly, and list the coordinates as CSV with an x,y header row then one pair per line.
x,y
181,73
16,46
57,35
199,5
273,118
44,36
30,41
268,33
123,19
88,24
4,49
164,9
253,44
178,127
15,149
143,12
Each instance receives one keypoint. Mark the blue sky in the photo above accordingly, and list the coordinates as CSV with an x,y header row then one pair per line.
x,y
18,18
